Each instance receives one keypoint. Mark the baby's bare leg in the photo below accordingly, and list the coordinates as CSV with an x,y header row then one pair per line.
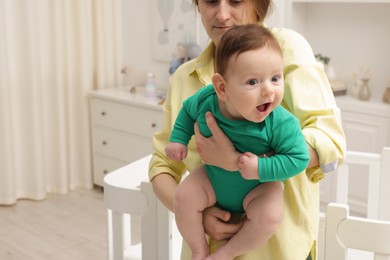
x,y
193,195
264,210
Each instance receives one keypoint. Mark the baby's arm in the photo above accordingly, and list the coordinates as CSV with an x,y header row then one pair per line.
x,y
176,151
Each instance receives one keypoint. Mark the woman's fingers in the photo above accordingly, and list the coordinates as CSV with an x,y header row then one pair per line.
x,y
216,150
214,222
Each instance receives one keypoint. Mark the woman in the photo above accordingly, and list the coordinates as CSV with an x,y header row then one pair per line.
x,y
307,95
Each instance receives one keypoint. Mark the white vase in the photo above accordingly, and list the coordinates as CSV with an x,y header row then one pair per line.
x,y
365,92
356,88
330,73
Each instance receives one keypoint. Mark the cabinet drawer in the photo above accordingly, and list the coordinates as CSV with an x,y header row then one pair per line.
x,y
121,145
132,119
102,165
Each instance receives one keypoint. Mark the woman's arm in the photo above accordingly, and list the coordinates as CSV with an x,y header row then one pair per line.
x,y
165,174
308,95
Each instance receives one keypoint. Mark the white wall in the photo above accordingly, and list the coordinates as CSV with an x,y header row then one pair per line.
x,y
365,35
365,30
353,35
137,37
136,41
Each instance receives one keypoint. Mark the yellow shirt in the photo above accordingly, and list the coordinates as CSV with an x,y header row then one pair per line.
x,y
309,97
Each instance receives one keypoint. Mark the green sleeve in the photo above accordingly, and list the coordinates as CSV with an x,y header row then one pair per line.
x,y
183,128
193,107
291,152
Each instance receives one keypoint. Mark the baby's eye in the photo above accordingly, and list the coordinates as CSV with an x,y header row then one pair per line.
x,y
276,79
253,82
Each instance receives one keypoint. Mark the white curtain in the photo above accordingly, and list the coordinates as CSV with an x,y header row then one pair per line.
x,y
51,54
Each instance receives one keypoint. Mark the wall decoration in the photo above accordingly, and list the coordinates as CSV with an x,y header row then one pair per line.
x,y
172,22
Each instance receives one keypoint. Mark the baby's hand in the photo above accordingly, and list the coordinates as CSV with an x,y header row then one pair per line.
x,y
176,151
248,166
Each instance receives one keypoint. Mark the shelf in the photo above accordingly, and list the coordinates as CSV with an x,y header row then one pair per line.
x,y
372,107
124,96
343,1
353,33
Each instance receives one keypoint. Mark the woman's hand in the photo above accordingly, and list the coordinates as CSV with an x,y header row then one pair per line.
x,y
214,223
216,150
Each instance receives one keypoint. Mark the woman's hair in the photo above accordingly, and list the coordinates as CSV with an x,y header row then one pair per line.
x,y
240,39
262,8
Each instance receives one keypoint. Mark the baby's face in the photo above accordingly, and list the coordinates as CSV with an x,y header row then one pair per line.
x,y
254,84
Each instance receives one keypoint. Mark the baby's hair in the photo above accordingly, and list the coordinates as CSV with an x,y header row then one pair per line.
x,y
240,39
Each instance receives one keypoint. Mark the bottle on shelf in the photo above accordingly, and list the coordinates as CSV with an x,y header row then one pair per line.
x,y
150,86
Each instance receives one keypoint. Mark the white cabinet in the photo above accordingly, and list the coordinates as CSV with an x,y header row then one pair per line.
x,y
367,129
366,124
122,128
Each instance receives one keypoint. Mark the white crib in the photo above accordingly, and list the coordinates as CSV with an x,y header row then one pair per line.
x,y
378,191
344,232
127,192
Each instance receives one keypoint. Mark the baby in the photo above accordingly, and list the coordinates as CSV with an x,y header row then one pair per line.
x,y
245,99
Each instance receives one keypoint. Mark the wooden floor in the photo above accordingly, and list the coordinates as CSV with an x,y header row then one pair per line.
x,y
62,227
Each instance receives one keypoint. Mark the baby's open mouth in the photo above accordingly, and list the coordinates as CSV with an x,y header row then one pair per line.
x,y
263,107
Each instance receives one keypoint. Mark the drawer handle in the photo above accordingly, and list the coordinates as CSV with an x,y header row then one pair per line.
x,y
103,113
105,171
104,142
154,125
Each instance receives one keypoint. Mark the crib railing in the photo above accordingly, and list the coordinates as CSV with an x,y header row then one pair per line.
x,y
378,187
127,192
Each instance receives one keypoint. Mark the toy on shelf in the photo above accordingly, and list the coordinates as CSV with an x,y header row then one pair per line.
x,y
184,52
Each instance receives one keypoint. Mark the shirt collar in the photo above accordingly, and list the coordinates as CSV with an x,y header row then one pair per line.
x,y
204,65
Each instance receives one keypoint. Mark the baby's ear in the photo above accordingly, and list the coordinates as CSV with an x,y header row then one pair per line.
x,y
219,86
